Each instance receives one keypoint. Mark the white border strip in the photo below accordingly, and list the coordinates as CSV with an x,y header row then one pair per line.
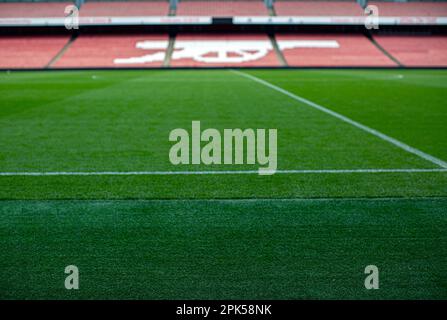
x,y
338,20
233,172
257,20
104,21
341,117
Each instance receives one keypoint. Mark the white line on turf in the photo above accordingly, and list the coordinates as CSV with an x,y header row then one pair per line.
x,y
234,172
374,132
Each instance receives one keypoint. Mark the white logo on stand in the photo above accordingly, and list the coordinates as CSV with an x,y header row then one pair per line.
x,y
220,51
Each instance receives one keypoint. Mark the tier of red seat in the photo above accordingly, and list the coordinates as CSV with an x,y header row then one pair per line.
x,y
33,9
422,51
352,50
222,50
90,51
29,52
126,9
411,9
317,8
222,8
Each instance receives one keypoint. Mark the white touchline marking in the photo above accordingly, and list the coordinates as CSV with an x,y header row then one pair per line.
x,y
374,132
169,173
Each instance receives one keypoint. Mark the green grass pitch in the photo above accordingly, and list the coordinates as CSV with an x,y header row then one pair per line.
x,y
241,236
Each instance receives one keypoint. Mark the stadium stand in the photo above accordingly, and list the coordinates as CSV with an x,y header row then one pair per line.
x,y
416,51
237,50
215,49
317,8
411,9
352,50
125,8
29,51
33,9
222,8
102,50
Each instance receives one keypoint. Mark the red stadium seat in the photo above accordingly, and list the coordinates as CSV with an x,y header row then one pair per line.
x,y
352,50
411,9
33,9
125,9
422,51
102,50
222,8
29,51
317,8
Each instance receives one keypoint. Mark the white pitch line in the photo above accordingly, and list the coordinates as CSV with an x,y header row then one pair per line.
x,y
374,132
229,172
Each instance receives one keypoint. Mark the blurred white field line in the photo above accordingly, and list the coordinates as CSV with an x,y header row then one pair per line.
x,y
215,172
343,118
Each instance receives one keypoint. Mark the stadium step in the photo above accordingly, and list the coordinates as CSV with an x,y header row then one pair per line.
x,y
169,50
61,52
383,50
278,52
172,11
272,11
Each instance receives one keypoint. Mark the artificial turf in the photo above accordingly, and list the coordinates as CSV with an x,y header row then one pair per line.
x,y
93,121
